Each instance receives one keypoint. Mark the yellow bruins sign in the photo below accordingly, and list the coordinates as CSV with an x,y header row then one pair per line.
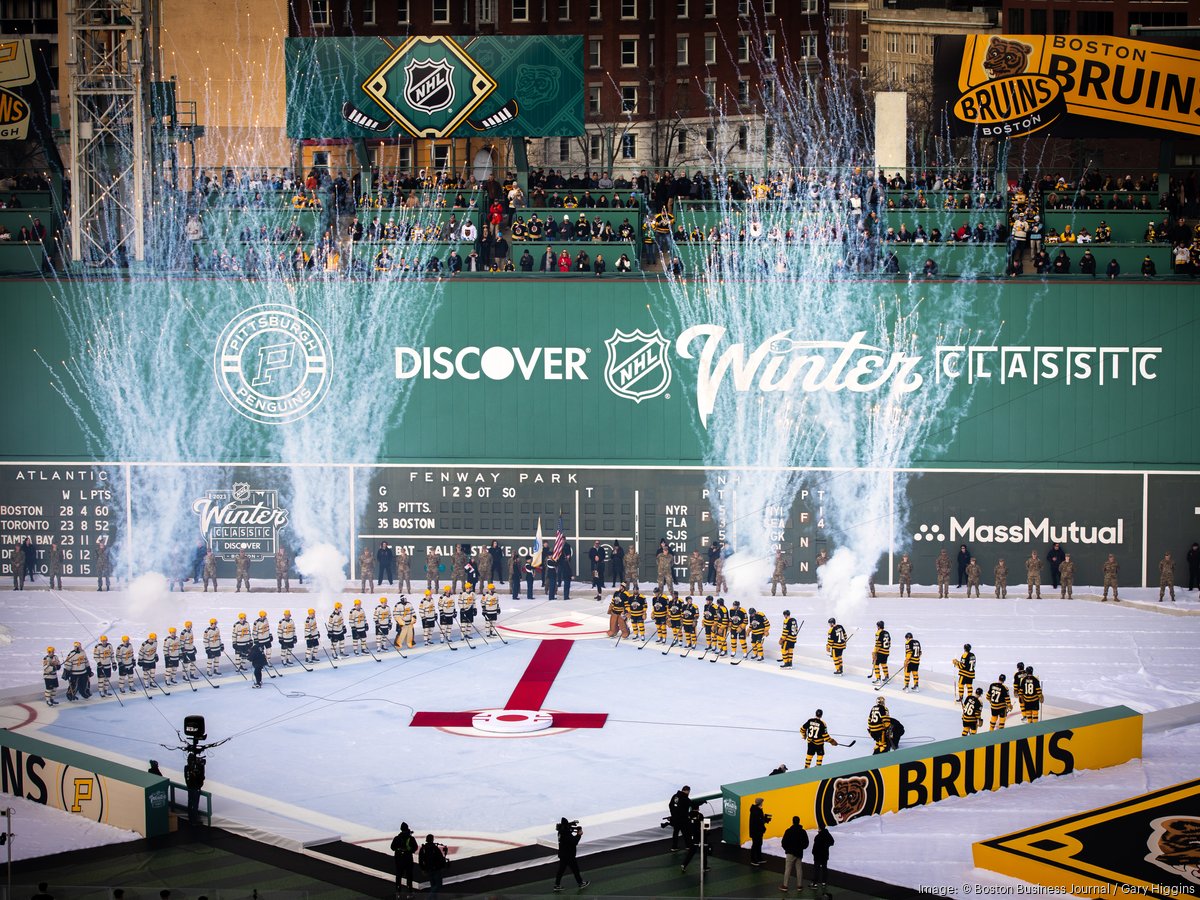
x,y
1017,85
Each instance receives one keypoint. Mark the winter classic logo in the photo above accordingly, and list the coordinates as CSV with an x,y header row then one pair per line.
x,y
638,366
272,364
243,518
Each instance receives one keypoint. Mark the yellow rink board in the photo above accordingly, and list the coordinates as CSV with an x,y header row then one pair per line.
x,y
917,776
1148,845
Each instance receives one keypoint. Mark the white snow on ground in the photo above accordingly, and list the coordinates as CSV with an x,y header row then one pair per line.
x,y
331,752
42,830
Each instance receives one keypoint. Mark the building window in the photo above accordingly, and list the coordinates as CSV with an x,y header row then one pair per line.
x,y
862,71
441,156
865,17
743,48
768,7
629,51
1062,21
743,138
710,49
629,146
910,43
1093,22
594,10
650,52
710,9
594,147
441,11
347,16
594,53
769,46
862,42
811,7
893,42
485,12
320,13
628,9
402,11
564,10
683,96
368,8
404,158
681,50
769,136
808,46
768,90
564,149
1158,19
710,93
593,104
629,98
710,140
1016,21
743,93
681,9
1037,21
743,7
520,10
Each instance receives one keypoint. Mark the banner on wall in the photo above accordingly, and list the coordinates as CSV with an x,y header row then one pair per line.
x,y
1013,86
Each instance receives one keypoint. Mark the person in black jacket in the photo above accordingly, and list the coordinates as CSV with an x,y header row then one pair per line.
x,y
678,808
1055,557
385,562
596,559
496,552
569,834
695,834
964,560
616,563
526,263
1193,561
404,845
820,851
758,830
432,859
795,842
258,659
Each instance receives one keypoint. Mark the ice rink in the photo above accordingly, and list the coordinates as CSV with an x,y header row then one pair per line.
x,y
333,753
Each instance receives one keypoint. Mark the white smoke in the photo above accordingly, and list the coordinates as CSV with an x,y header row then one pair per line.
x,y
324,565
150,598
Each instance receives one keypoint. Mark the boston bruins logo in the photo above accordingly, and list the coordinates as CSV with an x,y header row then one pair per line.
x,y
1174,845
1006,58
839,800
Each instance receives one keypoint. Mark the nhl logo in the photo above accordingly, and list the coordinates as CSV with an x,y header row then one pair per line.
x,y
428,86
638,366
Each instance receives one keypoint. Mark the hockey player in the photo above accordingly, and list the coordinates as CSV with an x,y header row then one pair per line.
x,y
261,631
1001,575
103,656
428,611
658,615
172,655
965,666
999,701
689,616
213,647
1031,695
446,614
335,629
242,641
912,661
635,609
148,659
312,637
708,619
187,645
286,631
835,644
817,736
972,712
879,726
737,628
787,639
491,609
50,666
880,653
357,620
721,628
77,671
405,617
760,627
383,623
466,610
617,609
674,615
905,574
125,664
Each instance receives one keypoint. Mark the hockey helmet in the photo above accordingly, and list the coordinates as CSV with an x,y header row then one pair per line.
x,y
104,638
1020,666
187,623
241,615
787,612
212,621
262,613
832,620
337,605
287,613
1029,670
124,640
171,630
152,636
383,600
312,612
908,634
879,701
737,602
357,602
51,649
446,589
404,601
428,593
967,647
491,587
78,645
467,585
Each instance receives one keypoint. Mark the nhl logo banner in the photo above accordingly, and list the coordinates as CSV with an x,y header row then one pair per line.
x,y
1018,85
434,86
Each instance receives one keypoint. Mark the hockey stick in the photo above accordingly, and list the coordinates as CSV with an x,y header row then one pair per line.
x,y
236,667
465,638
367,647
674,641
690,648
446,636
186,680
204,675
328,657
496,631
295,658
138,672
620,634
272,671
886,680
482,634
649,635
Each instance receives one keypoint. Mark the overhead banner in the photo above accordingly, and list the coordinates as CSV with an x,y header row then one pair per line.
x,y
1018,85
434,86
16,70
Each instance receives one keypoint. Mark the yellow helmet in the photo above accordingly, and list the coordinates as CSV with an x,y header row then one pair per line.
x,y
312,612
153,636
287,613
104,638
428,593
212,621
383,599
446,589
170,631
467,585
241,615
337,605
491,587
262,613
358,603
78,645
49,649
124,640
187,623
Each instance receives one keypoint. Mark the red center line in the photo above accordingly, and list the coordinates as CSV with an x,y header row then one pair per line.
x,y
531,690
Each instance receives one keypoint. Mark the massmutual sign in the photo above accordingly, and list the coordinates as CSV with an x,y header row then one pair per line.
x,y
1018,85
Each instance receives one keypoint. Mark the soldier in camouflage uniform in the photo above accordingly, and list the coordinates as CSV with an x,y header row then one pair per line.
x,y
632,563
1166,577
905,574
1033,576
242,562
777,576
722,586
403,571
283,581
822,558
210,570
103,566
1001,575
1066,577
483,565
17,559
1111,568
973,575
366,569
696,573
433,565
942,566
663,563
458,574
56,557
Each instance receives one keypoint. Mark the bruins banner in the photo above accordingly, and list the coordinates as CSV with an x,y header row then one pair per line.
x,y
434,87
16,70
1018,85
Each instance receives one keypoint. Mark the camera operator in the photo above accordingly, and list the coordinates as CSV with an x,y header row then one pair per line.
x,y
695,834
677,814
758,829
433,859
569,834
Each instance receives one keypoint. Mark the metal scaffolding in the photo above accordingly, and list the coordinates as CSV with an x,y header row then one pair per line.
x,y
111,66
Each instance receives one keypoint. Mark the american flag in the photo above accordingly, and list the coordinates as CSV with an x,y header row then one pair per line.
x,y
559,541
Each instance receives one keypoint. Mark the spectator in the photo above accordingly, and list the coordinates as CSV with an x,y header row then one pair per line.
x,y
598,265
1062,263
1149,270
1087,263
795,841
1113,269
758,830
623,264
549,261
526,264
930,268
564,261
820,851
